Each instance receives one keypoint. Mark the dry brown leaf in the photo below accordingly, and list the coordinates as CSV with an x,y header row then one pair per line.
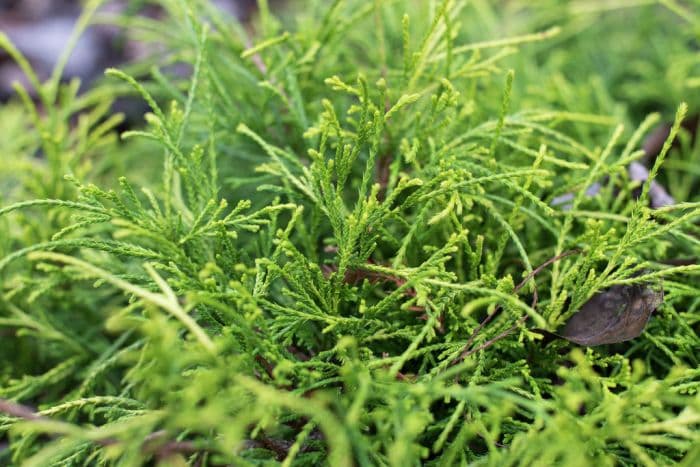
x,y
616,315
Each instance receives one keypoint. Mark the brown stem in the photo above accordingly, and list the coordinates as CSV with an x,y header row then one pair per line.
x,y
383,174
18,410
493,340
269,368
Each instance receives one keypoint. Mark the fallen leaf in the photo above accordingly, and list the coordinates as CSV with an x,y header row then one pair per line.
x,y
616,315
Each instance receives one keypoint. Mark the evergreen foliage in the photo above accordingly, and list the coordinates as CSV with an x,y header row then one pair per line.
x,y
289,261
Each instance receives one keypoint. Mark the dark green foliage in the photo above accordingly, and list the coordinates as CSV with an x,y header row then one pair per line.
x,y
289,262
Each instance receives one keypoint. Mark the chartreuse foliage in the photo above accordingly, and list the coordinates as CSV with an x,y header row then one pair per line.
x,y
289,260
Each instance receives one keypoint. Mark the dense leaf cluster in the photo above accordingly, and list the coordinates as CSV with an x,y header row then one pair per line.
x,y
323,244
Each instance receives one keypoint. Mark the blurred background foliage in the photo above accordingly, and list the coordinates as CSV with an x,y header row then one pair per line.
x,y
143,321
